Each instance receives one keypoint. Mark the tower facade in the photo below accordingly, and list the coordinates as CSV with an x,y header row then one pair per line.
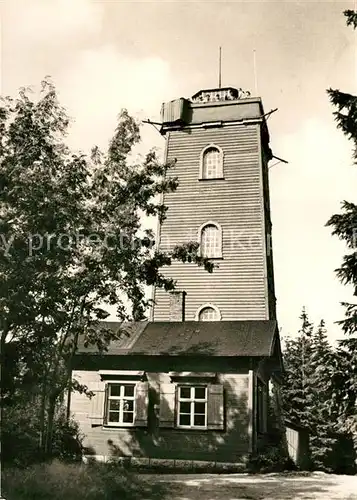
x,y
220,141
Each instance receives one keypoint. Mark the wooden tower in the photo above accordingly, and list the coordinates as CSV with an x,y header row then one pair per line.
x,y
220,141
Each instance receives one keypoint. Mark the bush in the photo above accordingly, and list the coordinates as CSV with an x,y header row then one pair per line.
x,y
58,481
67,439
271,460
20,436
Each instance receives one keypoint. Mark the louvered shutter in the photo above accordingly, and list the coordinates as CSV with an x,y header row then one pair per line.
x,y
141,402
167,405
215,407
96,414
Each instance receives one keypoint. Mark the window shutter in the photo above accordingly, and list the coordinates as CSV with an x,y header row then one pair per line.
x,y
141,404
96,414
215,407
167,405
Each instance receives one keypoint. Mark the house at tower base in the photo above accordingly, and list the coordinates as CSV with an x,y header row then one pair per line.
x,y
194,391
192,383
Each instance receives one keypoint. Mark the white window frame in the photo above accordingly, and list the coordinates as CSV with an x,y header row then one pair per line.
x,y
220,235
121,398
192,400
205,306
202,157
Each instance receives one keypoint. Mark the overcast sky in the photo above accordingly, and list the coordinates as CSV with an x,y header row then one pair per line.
x,y
106,55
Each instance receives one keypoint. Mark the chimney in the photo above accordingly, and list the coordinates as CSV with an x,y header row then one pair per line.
x,y
177,306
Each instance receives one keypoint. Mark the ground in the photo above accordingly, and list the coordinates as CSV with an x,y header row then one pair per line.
x,y
317,486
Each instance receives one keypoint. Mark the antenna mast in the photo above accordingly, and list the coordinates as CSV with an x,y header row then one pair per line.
x,y
255,72
220,69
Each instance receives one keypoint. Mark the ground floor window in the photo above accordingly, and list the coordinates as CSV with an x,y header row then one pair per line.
x,y
120,404
192,406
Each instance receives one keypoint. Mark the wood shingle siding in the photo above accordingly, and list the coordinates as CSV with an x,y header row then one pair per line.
x,y
239,286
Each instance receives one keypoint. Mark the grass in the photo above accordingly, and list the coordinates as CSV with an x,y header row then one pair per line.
x,y
59,481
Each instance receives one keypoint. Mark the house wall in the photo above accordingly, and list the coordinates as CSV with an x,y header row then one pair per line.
x,y
231,444
239,287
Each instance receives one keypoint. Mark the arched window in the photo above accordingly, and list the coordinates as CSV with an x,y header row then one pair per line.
x,y
211,162
208,312
210,239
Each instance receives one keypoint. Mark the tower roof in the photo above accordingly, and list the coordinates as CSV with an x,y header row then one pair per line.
x,y
211,107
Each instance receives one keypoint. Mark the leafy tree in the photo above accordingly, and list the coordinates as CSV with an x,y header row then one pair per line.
x,y
72,242
344,225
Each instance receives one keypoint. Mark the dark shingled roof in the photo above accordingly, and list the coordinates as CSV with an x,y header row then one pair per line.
x,y
214,338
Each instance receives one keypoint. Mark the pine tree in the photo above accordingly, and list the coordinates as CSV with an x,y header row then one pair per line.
x,y
323,410
296,393
308,389
344,225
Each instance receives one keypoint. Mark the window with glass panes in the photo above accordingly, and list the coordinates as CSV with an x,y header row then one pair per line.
x,y
212,164
208,314
210,241
192,406
121,403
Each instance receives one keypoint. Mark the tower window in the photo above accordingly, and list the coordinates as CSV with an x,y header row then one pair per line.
x,y
210,239
208,312
211,163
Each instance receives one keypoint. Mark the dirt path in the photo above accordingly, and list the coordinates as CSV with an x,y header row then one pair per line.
x,y
316,486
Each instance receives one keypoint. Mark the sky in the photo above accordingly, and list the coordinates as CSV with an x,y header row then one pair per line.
x,y
106,55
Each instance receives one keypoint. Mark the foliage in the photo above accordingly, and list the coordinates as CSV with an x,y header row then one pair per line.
x,y
310,392
271,460
76,481
20,435
320,389
344,226
72,244
296,385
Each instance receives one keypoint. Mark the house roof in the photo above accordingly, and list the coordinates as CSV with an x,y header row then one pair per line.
x,y
213,338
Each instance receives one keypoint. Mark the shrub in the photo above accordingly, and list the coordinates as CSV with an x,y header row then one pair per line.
x,y
271,460
67,439
20,433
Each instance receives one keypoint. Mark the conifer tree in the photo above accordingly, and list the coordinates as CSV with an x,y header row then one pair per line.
x,y
308,388
344,225
296,387
323,410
